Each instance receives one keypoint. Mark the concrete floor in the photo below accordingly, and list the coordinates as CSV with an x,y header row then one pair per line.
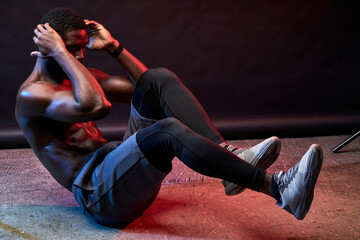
x,y
189,206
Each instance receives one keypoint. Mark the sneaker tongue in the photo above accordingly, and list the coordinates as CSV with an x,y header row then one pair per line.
x,y
246,154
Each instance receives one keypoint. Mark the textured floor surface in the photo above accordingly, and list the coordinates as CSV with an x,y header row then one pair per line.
x,y
189,206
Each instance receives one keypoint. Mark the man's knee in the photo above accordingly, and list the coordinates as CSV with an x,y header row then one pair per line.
x,y
172,125
159,77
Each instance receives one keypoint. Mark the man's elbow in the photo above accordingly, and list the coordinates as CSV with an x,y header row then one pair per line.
x,y
103,109
98,109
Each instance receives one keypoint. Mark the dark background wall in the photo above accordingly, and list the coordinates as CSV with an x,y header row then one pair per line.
x,y
259,68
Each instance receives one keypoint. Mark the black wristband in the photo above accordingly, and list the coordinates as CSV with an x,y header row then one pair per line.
x,y
117,51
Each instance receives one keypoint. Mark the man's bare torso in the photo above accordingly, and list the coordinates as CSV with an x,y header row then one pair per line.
x,y
63,148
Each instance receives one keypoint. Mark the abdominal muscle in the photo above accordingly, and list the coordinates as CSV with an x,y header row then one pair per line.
x,y
84,136
67,149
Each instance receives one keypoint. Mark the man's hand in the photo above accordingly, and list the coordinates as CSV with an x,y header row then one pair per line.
x,y
99,37
48,41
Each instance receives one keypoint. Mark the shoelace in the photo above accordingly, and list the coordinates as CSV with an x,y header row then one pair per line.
x,y
231,148
286,177
235,150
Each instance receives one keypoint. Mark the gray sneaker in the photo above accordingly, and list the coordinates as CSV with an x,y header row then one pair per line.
x,y
262,155
296,186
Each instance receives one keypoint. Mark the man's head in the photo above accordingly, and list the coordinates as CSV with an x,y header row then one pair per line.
x,y
63,20
72,29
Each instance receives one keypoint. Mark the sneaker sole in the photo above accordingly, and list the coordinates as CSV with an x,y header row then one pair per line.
x,y
314,168
264,162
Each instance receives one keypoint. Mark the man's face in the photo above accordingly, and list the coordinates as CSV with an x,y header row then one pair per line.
x,y
75,42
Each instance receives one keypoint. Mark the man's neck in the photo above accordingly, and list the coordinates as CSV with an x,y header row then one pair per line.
x,y
50,70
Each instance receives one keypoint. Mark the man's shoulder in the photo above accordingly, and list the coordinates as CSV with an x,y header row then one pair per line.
x,y
33,97
34,89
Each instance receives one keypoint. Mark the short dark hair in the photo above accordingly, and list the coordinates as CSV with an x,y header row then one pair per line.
x,y
63,20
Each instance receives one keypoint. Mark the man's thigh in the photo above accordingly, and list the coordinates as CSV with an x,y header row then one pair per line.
x,y
123,186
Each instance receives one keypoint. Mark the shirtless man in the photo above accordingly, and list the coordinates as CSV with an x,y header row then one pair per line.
x,y
114,182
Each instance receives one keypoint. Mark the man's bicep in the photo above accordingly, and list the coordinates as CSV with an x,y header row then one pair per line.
x,y
118,88
65,108
98,74
43,101
58,105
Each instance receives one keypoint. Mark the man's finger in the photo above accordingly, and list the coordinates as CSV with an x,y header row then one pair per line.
x,y
37,54
41,28
47,26
93,25
35,39
87,21
37,32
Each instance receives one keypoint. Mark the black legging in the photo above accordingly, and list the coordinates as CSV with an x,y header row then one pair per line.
x,y
185,131
159,94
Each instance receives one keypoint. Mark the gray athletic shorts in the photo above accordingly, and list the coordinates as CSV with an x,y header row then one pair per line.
x,y
136,122
118,183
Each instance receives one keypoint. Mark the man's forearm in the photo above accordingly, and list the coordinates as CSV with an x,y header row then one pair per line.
x,y
133,65
87,91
